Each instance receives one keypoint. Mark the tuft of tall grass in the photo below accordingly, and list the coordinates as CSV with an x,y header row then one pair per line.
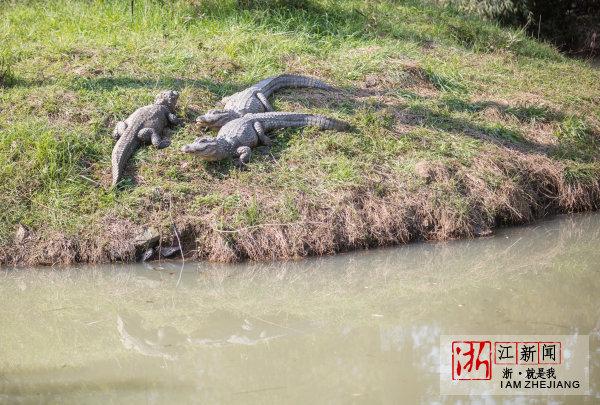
x,y
6,62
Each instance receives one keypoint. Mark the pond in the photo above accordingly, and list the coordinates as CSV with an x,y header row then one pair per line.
x,y
361,327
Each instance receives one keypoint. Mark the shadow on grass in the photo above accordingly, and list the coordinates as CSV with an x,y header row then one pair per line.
x,y
371,20
16,81
220,169
494,132
523,113
106,84
419,113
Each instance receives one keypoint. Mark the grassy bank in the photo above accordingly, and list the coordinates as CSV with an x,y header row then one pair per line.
x,y
461,126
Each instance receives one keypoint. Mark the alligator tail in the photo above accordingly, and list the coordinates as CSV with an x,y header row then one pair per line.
x,y
305,120
327,123
121,153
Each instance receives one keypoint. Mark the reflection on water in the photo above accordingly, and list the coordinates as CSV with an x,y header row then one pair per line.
x,y
219,329
361,327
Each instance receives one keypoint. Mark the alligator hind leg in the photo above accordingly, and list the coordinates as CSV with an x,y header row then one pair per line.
x,y
150,135
244,153
265,102
119,130
262,136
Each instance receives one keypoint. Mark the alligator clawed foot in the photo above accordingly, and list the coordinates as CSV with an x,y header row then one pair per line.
x,y
163,144
241,166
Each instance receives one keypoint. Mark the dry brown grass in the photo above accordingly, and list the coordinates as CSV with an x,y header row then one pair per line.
x,y
530,186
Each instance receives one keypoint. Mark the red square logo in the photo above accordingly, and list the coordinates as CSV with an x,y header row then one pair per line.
x,y
472,360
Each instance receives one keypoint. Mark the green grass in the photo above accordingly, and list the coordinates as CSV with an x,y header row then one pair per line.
x,y
419,83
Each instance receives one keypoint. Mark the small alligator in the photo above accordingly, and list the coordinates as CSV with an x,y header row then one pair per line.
x,y
145,125
255,99
237,137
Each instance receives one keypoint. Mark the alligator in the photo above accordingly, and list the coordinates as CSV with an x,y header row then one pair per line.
x,y
145,125
236,138
254,99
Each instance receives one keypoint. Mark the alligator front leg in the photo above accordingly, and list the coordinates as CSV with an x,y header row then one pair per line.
x,y
119,130
262,136
150,135
244,153
263,99
174,120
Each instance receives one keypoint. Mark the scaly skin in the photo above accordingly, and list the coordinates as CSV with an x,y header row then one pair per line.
x,y
254,99
145,125
237,137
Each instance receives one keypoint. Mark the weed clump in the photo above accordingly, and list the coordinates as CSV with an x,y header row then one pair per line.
x,y
6,74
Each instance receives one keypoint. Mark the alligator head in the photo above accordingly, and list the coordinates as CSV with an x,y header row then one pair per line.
x,y
217,118
168,99
206,148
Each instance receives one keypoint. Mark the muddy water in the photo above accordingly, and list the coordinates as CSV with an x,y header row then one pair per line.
x,y
354,328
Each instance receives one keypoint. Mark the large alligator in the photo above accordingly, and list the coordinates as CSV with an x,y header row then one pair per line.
x,y
145,125
254,99
237,137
